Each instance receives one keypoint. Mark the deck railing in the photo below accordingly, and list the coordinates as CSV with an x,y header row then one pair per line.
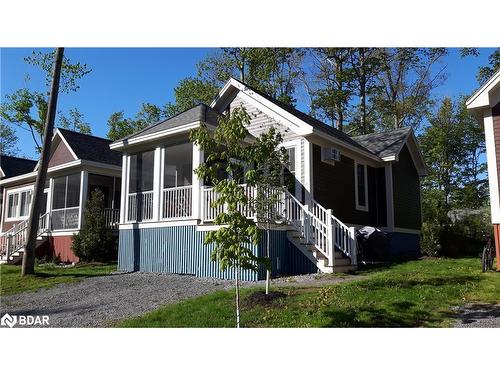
x,y
112,217
140,206
177,202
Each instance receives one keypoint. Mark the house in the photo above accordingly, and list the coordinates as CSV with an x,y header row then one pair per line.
x,y
485,105
78,164
11,166
340,183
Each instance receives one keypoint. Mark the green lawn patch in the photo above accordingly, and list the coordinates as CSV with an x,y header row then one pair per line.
x,y
413,294
47,275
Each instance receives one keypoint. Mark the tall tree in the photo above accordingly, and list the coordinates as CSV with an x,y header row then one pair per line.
x,y
333,85
484,72
28,265
365,65
406,79
74,121
119,126
27,108
8,140
275,71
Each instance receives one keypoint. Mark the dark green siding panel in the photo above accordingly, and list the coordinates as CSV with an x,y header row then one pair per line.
x,y
407,209
181,250
334,188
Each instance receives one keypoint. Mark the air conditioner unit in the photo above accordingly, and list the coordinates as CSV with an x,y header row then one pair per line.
x,y
330,155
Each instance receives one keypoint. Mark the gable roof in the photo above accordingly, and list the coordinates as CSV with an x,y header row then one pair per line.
x,y
13,166
200,112
89,147
315,123
481,97
385,144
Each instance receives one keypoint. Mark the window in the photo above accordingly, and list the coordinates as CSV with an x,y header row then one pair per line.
x,y
18,204
66,191
141,172
361,184
178,166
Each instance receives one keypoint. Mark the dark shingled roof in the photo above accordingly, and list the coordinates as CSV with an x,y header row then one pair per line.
x,y
201,112
13,166
384,144
309,119
89,147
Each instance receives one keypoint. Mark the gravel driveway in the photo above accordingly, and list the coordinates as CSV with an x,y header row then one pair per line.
x,y
99,301
479,316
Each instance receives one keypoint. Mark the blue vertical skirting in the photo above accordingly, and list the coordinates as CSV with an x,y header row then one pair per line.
x,y
180,249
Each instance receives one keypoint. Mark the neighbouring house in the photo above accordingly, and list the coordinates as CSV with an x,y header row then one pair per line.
x,y
78,164
341,183
11,166
485,105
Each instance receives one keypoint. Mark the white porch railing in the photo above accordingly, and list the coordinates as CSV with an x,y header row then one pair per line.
x,y
177,202
65,218
315,224
15,238
140,206
112,217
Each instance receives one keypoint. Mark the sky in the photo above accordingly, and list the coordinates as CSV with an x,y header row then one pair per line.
x,y
123,78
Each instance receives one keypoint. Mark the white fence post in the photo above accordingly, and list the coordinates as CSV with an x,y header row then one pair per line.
x,y
330,227
354,249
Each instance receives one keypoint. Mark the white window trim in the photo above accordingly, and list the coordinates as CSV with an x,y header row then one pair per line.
x,y
358,206
18,191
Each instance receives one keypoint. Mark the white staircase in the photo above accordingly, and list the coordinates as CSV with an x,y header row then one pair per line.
x,y
13,241
320,236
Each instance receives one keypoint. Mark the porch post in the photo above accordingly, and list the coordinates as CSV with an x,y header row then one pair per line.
x,y
157,188
389,198
84,182
123,193
197,184
49,204
307,168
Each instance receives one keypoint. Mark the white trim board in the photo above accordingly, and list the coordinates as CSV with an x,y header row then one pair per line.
x,y
492,166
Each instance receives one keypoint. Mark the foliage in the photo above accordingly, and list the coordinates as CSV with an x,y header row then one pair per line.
x,y
48,275
228,153
189,93
74,121
94,241
119,126
451,143
413,294
484,72
8,140
27,108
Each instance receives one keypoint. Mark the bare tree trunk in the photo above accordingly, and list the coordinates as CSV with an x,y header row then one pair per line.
x,y
28,267
237,296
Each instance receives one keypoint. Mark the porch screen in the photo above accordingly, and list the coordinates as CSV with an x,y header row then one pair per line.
x,y
141,172
66,191
178,165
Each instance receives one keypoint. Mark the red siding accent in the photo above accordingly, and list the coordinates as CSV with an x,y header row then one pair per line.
x,y
496,230
61,247
61,155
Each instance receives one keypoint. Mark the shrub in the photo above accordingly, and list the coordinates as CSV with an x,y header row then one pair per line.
x,y
94,242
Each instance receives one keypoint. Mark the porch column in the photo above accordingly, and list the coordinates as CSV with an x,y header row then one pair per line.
x,y
157,184
84,182
389,197
306,168
123,194
197,184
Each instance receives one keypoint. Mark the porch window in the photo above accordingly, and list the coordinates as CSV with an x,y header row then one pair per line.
x,y
177,181
66,202
18,204
140,191
361,184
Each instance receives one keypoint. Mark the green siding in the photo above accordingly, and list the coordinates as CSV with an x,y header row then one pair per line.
x,y
406,188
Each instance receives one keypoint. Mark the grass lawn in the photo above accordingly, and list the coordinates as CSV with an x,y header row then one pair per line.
x,y
47,275
412,294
